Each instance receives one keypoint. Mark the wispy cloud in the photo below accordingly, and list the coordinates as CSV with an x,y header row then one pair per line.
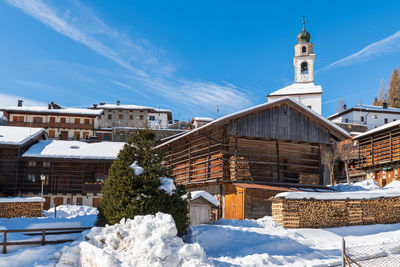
x,y
129,88
146,64
387,45
7,100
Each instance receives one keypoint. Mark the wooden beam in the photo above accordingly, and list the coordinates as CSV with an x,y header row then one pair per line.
x,y
236,152
391,153
190,158
278,167
209,158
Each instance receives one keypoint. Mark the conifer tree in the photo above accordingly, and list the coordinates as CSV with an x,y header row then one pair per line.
x,y
394,89
128,192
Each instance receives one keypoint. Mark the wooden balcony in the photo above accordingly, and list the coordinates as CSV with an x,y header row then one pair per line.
x,y
52,125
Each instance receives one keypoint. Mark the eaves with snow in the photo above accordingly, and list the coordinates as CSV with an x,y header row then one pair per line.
x,y
12,135
74,150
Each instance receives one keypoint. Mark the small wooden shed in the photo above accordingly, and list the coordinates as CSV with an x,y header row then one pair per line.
x,y
201,208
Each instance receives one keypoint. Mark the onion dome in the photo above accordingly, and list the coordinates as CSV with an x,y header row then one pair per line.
x,y
303,37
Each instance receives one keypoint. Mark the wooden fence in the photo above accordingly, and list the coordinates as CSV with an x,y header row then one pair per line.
x,y
42,232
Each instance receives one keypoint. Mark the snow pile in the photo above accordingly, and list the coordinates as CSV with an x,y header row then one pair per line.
x,y
167,184
137,170
393,184
148,240
71,211
365,185
367,189
205,195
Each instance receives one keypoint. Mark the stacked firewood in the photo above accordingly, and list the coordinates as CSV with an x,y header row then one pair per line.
x,y
311,213
19,209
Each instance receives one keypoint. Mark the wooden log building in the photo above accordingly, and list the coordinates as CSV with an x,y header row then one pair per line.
x,y
14,141
247,157
74,172
379,153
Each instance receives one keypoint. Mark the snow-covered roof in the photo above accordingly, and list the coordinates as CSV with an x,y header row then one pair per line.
x,y
364,190
130,107
203,119
46,110
298,89
204,194
12,135
378,129
248,110
74,150
369,108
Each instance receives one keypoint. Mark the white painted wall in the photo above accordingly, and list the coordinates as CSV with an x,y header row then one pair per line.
x,y
371,119
309,100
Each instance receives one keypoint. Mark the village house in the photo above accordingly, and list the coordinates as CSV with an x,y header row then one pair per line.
x,y
73,171
60,123
200,121
366,117
133,116
14,141
247,157
379,153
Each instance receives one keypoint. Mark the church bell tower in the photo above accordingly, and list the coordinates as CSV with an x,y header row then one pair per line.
x,y
303,58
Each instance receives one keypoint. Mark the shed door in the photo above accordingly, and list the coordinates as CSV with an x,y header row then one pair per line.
x,y
199,215
234,202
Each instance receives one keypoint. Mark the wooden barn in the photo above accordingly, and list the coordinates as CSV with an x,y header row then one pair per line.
x,y
14,141
379,153
247,157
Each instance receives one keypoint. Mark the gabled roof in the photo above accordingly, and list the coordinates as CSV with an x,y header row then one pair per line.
x,y
392,124
368,108
298,89
74,150
223,120
12,135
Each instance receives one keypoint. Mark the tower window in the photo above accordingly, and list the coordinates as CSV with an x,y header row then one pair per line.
x,y
304,68
303,49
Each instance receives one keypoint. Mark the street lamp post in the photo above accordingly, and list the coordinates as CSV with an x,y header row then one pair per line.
x,y
42,177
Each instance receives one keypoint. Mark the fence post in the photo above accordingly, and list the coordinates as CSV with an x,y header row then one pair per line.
x,y
343,253
43,237
5,243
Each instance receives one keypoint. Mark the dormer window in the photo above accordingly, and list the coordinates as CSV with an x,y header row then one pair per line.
x,y
304,68
303,49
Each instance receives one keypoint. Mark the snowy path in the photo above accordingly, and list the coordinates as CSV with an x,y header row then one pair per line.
x,y
263,242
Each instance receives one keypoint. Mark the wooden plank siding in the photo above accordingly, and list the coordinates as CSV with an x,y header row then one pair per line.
x,y
379,149
280,122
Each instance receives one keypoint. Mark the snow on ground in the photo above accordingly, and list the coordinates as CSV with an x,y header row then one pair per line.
x,y
72,211
263,242
149,240
27,256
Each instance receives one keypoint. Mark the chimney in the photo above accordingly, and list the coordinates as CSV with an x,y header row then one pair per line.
x,y
118,102
102,104
344,106
20,103
385,105
49,105
95,106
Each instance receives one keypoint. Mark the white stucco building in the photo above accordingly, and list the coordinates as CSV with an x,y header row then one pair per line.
x,y
367,115
303,89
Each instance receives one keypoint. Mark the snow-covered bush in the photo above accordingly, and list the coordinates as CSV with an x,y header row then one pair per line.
x,y
136,185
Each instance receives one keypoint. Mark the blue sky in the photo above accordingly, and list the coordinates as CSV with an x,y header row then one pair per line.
x,y
189,56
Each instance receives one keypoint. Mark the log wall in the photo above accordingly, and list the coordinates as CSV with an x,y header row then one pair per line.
x,y
20,209
294,213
